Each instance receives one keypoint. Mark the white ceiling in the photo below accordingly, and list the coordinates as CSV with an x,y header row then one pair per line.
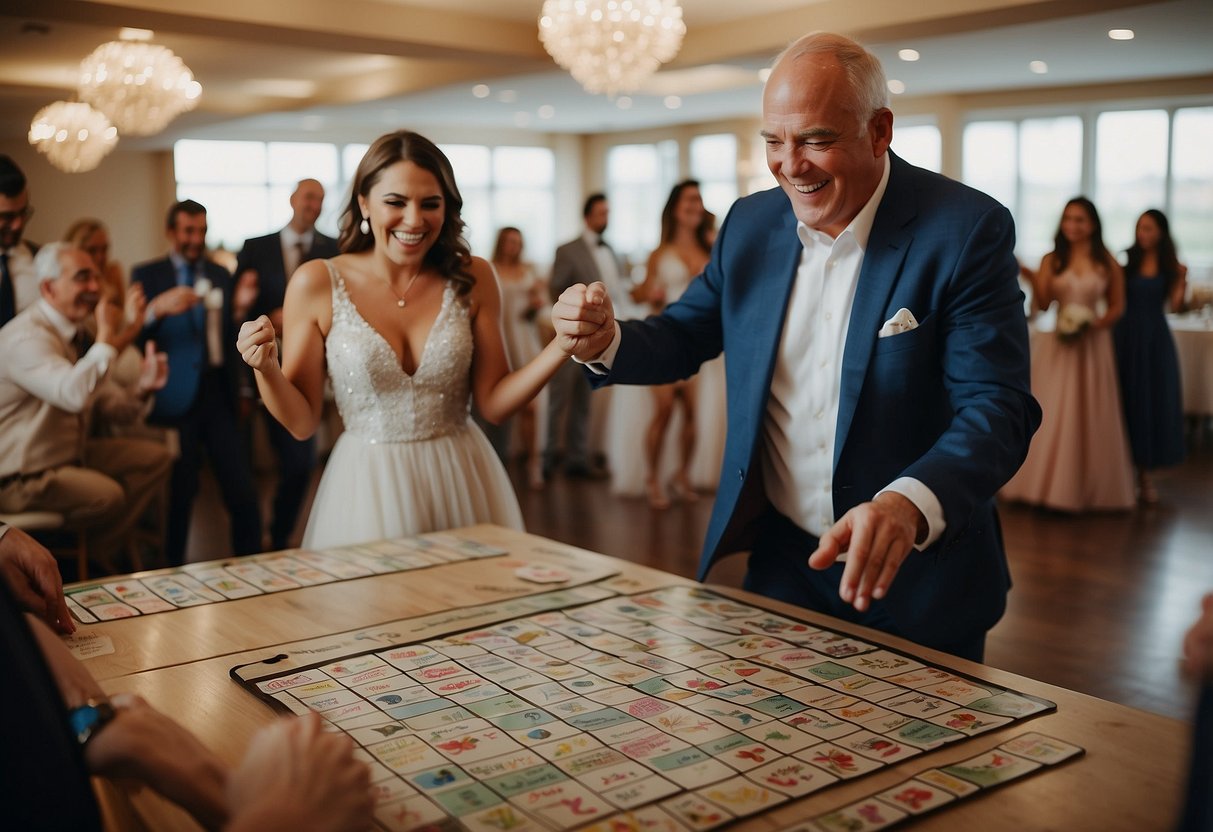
x,y
356,68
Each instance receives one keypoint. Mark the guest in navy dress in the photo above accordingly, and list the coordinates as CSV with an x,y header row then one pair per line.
x,y
1145,351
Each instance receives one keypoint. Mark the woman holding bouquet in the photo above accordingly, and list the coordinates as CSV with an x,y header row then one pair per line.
x,y
1079,459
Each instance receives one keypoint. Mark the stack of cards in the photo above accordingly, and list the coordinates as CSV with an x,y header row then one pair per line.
x,y
212,581
938,787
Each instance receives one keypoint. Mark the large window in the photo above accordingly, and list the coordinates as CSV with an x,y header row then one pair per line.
x,y
714,165
246,186
1191,203
506,186
919,144
990,150
1050,175
1139,159
639,179
1130,170
1032,166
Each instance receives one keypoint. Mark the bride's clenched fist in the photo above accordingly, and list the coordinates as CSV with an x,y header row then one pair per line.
x,y
258,345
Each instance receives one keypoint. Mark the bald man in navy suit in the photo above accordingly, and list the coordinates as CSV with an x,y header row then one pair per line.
x,y
877,362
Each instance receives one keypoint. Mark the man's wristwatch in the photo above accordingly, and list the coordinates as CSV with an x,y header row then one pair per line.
x,y
88,719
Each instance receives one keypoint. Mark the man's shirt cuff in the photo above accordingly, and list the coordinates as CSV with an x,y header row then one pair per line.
x,y
602,364
925,500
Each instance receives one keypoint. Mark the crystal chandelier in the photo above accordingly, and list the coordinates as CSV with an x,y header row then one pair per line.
x,y
611,46
73,135
140,86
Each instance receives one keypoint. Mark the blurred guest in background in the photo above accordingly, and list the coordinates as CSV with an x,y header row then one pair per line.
x,y
585,259
193,311
272,260
682,253
1155,281
18,286
1079,459
92,237
51,380
523,294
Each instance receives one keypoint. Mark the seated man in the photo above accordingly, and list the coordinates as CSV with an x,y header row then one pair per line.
x,y
295,775
50,380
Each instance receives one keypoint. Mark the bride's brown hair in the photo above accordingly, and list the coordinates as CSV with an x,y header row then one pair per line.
x,y
450,254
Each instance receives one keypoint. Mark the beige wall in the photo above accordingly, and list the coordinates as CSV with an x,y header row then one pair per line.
x,y
129,192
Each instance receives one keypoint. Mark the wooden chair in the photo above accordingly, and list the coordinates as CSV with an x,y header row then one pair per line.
x,y
36,522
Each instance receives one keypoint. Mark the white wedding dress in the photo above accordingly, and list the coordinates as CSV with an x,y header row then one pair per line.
x,y
410,459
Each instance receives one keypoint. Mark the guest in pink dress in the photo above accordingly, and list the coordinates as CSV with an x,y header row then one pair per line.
x,y
1079,459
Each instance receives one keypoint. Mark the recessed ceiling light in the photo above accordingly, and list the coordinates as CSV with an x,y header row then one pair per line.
x,y
547,111
481,90
1039,67
896,87
623,102
909,54
507,96
672,102
1121,34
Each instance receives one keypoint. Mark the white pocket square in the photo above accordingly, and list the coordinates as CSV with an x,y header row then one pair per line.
x,y
903,321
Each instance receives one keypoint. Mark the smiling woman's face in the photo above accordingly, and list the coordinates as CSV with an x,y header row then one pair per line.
x,y
406,209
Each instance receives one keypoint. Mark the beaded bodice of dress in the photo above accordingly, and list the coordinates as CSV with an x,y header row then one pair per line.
x,y
1086,288
376,398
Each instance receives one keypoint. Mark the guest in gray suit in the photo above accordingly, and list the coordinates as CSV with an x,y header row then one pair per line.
x,y
584,259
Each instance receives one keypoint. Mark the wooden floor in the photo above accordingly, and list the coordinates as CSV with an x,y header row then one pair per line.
x,y
1100,602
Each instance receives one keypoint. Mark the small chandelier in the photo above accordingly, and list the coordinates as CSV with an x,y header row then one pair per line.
x,y
140,86
611,46
73,135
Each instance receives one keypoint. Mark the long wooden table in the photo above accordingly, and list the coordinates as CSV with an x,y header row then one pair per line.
x,y
1130,778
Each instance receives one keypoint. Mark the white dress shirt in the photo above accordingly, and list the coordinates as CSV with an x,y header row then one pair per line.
x,y
21,272
46,376
295,247
604,258
212,314
802,410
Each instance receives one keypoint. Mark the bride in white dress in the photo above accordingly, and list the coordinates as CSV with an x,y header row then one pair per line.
x,y
407,324
670,435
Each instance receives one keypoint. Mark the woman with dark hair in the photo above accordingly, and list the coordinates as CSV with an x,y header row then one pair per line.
x,y
1079,459
681,255
1145,351
408,325
523,296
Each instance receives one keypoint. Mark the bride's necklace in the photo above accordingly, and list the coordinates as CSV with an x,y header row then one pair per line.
x,y
400,297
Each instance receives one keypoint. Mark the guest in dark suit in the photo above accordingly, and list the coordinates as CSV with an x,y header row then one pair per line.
x,y
193,314
272,259
18,286
877,361
586,259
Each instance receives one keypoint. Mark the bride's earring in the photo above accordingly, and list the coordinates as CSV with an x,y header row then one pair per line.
x,y
364,226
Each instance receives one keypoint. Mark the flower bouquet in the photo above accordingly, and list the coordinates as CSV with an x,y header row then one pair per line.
x,y
1073,320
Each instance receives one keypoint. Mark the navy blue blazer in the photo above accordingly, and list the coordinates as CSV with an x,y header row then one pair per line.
x,y
183,338
264,254
948,403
